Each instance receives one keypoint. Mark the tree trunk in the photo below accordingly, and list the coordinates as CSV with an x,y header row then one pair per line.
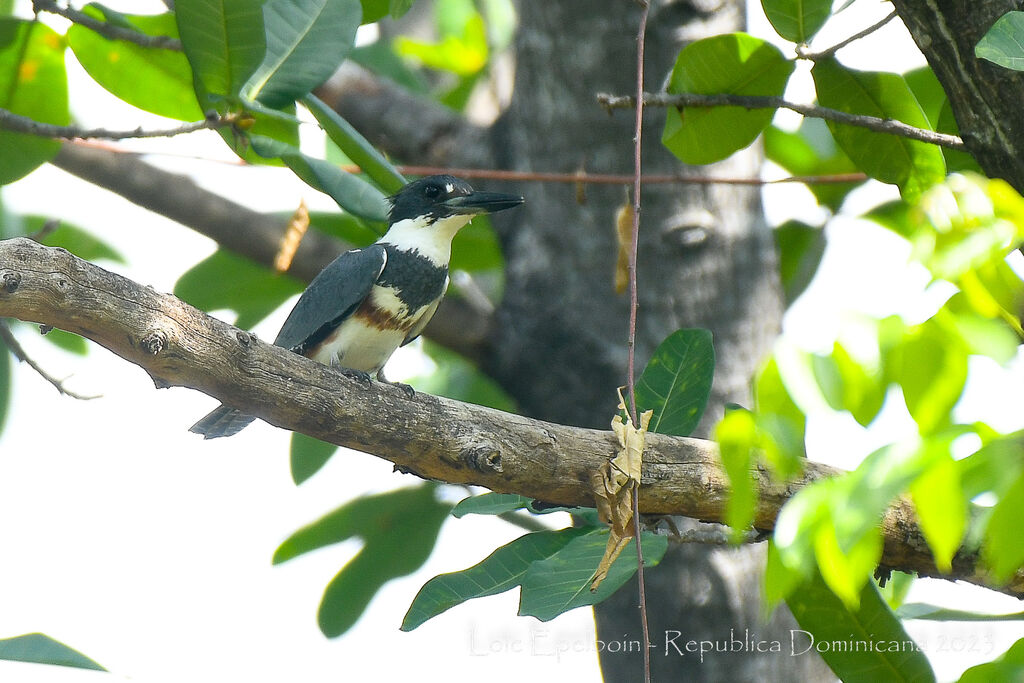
x,y
985,98
706,260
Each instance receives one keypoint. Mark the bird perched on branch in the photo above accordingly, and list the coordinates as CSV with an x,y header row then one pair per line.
x,y
370,301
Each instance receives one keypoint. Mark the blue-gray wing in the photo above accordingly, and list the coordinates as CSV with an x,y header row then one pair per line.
x,y
333,295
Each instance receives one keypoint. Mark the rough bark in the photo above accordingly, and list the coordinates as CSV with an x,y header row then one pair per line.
x,y
985,98
433,437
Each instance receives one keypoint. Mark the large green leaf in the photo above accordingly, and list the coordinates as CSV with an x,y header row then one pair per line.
x,y
500,571
866,644
500,503
677,382
398,529
941,507
562,581
797,20
734,63
913,166
307,455
33,83
931,368
351,192
1004,42
306,42
800,248
41,649
1009,666
156,80
224,41
355,146
1003,549
226,280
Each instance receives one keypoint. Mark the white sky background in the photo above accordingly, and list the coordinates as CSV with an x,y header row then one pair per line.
x,y
149,550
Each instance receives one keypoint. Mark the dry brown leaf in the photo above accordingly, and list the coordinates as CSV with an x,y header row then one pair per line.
x,y
624,234
613,487
293,234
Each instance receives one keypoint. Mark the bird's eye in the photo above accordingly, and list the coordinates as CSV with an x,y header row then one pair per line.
x,y
432,191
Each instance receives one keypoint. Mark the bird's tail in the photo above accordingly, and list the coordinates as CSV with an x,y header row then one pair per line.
x,y
222,421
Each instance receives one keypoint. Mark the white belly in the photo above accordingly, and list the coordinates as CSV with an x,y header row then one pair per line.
x,y
359,346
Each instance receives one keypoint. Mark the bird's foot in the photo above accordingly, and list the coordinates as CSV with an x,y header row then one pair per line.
x,y
358,375
408,390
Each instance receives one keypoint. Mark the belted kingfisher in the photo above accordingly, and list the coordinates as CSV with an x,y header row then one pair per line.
x,y
368,302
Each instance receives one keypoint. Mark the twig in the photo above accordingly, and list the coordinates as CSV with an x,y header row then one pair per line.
x,y
22,124
645,6
617,179
12,343
105,28
803,53
774,102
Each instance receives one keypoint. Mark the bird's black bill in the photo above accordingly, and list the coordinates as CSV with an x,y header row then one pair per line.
x,y
483,202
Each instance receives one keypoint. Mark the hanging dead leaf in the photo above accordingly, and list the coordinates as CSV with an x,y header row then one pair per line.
x,y
298,224
624,234
613,486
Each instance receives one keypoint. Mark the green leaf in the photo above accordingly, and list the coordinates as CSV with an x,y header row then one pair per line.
x,y
155,80
351,192
463,55
781,421
1009,666
226,280
344,226
306,42
355,146
374,10
307,455
500,571
476,248
812,151
1003,44
931,368
918,610
734,63
941,507
913,166
562,581
824,619
40,649
500,503
224,41
33,83
737,437
380,58
928,92
398,528
797,20
800,248
1003,550
677,382
490,504
956,160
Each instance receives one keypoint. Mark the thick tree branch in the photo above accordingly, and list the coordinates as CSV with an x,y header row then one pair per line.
x,y
874,123
238,228
433,437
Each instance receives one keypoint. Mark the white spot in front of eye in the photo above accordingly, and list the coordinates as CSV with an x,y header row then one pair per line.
x,y
449,188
